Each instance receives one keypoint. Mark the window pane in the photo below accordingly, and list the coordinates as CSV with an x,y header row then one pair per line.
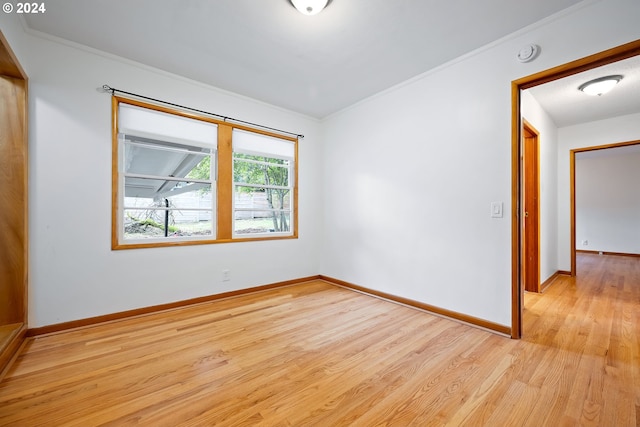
x,y
202,170
260,170
262,198
149,224
190,210
253,222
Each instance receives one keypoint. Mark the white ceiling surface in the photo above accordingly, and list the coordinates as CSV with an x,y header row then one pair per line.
x,y
568,106
266,50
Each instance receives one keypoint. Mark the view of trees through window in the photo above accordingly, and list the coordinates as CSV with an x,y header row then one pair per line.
x,y
268,175
262,180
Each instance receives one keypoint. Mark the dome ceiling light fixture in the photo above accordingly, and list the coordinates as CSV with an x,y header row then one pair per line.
x,y
309,7
600,86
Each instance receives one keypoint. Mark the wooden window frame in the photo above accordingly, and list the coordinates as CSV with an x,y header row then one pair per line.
x,y
224,181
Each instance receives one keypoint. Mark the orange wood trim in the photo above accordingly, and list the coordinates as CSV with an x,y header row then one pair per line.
x,y
15,248
9,64
537,161
9,353
583,251
572,212
25,127
554,276
531,171
529,129
475,321
605,146
296,167
546,283
516,235
115,175
224,183
14,162
198,242
91,321
618,53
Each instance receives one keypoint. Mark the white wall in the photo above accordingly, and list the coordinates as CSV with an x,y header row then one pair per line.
x,y
410,173
602,132
548,146
73,272
608,200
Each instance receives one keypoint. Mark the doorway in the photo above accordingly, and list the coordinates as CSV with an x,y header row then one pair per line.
x,y
519,258
572,158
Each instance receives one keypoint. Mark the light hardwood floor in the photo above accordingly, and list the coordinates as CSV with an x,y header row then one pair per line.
x,y
318,355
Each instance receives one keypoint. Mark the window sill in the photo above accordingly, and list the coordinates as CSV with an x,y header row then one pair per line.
x,y
157,244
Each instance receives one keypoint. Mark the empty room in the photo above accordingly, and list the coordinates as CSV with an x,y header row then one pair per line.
x,y
327,213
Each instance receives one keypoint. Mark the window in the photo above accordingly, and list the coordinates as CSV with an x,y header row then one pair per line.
x,y
184,179
165,176
263,184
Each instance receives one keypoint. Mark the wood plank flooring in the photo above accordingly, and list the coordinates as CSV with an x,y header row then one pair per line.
x,y
318,355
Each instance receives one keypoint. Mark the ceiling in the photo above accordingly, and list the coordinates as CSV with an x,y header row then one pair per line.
x,y
266,50
568,106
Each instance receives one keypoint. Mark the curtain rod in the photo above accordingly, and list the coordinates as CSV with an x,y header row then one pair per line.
x,y
108,88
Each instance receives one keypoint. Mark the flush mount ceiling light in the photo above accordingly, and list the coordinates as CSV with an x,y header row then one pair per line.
x,y
309,7
600,86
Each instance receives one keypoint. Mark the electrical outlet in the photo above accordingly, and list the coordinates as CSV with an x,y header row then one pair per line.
x,y
226,275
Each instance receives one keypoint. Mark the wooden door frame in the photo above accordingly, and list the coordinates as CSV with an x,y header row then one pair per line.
x,y
609,56
572,180
13,76
528,131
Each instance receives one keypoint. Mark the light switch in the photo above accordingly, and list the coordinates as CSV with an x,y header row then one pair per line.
x,y
496,209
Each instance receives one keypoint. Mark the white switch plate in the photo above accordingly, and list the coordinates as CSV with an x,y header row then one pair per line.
x,y
496,209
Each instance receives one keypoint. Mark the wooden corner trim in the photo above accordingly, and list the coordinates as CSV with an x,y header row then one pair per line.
x,y
474,321
9,353
544,285
122,315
